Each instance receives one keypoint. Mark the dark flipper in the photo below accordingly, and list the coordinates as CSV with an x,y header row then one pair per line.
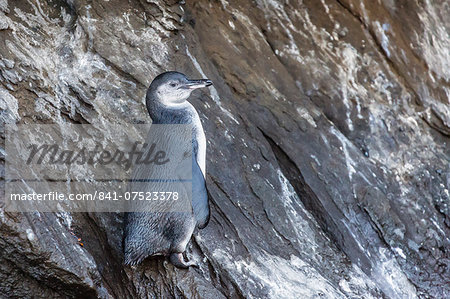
x,y
177,260
200,203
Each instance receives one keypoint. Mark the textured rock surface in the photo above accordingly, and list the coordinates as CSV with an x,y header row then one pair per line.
x,y
328,156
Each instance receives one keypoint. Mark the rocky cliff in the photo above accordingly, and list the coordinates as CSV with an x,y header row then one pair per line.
x,y
328,128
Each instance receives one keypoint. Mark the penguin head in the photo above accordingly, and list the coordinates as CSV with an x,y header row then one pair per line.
x,y
173,88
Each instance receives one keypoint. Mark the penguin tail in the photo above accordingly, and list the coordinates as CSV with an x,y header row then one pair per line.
x,y
132,258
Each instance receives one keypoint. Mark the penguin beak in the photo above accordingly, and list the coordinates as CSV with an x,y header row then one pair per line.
x,y
194,84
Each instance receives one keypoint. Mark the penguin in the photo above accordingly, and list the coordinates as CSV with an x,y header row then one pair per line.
x,y
167,233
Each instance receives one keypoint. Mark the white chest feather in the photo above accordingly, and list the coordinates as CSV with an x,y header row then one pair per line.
x,y
201,141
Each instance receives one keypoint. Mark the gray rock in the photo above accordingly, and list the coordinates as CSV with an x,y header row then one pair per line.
x,y
4,6
328,161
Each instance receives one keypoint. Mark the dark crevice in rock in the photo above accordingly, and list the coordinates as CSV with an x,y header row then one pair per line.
x,y
229,224
224,282
272,48
280,234
74,119
110,264
286,241
304,192
25,277
217,279
442,128
81,99
329,117
33,269
71,10
218,184
382,236
121,72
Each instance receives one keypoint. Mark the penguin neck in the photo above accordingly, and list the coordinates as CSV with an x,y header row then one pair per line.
x,y
162,114
185,114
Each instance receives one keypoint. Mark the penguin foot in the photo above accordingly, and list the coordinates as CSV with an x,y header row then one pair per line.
x,y
177,260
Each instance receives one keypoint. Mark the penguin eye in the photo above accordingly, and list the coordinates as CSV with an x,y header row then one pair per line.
x,y
173,84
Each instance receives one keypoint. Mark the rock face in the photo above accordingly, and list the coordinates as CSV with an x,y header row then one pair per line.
x,y
328,156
